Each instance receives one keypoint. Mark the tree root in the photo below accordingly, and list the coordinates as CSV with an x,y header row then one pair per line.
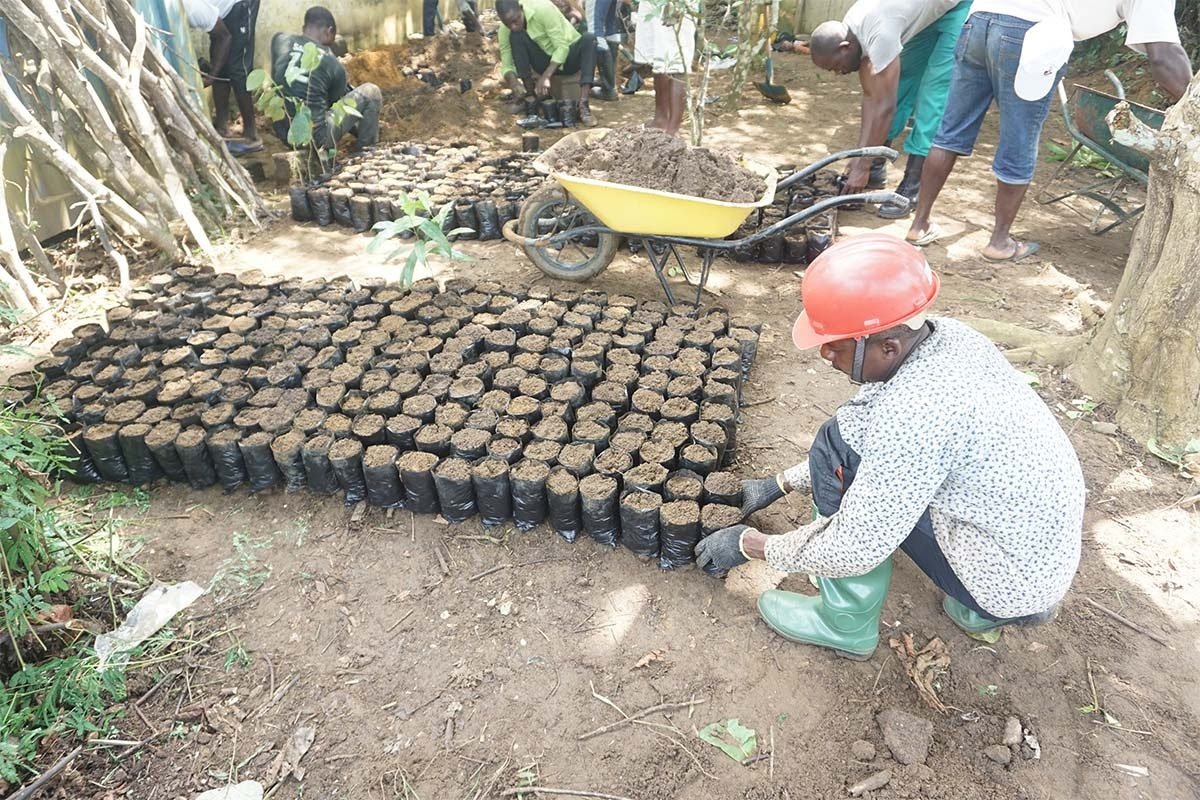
x,y
1027,346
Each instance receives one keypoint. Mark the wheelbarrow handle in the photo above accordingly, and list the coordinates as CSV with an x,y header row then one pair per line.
x,y
858,152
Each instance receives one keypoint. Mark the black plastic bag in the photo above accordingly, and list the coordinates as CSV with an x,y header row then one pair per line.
x,y
488,218
382,476
562,497
346,459
492,491
400,431
139,461
639,522
683,484
105,448
598,508
528,482
227,458
456,494
724,488
699,459
416,473
161,441
382,209
80,465
320,205
317,469
301,211
464,217
260,461
194,455
339,199
360,213
288,451
679,531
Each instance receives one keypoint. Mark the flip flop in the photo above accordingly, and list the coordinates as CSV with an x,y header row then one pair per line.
x,y
239,148
929,237
1022,250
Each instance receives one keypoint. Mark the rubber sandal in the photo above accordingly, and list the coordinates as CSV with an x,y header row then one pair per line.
x,y
929,237
1022,250
244,148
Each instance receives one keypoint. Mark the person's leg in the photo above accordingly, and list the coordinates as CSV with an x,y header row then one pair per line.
x,y
1017,149
676,104
923,548
970,96
912,64
662,102
932,83
240,22
529,60
368,101
220,92
429,10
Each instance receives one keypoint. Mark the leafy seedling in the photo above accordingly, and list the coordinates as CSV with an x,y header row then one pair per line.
x,y
732,738
989,690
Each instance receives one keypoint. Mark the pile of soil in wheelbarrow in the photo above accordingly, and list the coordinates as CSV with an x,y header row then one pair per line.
x,y
651,159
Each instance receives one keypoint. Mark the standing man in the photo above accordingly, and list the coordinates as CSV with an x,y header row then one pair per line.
x,y
324,86
1014,52
903,51
669,47
602,22
230,25
537,42
946,453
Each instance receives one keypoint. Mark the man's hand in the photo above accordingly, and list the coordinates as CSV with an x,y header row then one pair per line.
x,y
759,493
856,177
543,86
722,549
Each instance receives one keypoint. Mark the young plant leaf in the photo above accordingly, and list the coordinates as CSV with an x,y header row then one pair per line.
x,y
731,738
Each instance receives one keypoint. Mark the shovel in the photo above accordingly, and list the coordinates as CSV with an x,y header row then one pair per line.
x,y
768,89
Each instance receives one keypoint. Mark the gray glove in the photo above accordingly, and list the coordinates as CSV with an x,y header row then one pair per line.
x,y
759,493
720,552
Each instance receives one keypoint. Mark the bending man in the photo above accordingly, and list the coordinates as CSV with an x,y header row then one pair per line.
x,y
537,42
903,52
1015,52
230,27
946,453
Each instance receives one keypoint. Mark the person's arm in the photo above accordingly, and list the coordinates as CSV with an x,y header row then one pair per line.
x,y
507,67
1170,67
574,12
550,25
878,108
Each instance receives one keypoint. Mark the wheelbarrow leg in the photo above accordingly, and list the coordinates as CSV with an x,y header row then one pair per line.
x,y
658,261
706,265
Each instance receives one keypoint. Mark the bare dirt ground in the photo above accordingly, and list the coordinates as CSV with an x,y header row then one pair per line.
x,y
439,661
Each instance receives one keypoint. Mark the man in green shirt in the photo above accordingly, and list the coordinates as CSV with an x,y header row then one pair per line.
x,y
325,86
536,42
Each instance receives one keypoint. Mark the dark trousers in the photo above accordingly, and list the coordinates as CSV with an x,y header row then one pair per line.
x,y
429,14
528,58
832,465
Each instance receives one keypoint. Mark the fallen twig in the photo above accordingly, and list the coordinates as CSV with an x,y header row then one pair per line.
x,y
487,572
437,551
170,676
396,624
759,402
32,789
1129,623
645,712
524,790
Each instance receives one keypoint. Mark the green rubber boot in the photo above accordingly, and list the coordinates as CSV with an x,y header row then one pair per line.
x,y
843,617
968,620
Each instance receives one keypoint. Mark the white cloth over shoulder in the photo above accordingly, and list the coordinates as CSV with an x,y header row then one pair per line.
x,y
203,14
658,45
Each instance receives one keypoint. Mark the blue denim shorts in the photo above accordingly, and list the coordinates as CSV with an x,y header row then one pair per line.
x,y
985,67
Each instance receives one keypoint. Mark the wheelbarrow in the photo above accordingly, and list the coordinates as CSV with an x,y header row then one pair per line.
x,y
571,228
1084,114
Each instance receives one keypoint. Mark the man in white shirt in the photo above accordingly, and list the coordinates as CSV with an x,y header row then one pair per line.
x,y
230,25
903,52
1014,52
946,453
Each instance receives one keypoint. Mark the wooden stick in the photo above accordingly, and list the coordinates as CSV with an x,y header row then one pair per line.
x,y
523,790
1129,623
645,712
34,788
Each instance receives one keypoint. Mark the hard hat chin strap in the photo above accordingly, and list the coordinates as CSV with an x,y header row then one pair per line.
x,y
860,353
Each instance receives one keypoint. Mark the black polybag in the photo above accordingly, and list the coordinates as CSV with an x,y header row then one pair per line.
x,y
360,213
301,211
288,451
227,458
79,461
105,448
322,208
339,199
639,524
678,540
562,498
489,220
416,473
493,494
161,441
139,461
598,508
528,482
259,461
346,459
196,460
317,469
456,494
382,477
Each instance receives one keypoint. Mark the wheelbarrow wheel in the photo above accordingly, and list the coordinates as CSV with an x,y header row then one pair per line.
x,y
549,210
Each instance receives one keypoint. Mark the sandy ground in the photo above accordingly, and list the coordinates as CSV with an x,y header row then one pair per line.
x,y
388,635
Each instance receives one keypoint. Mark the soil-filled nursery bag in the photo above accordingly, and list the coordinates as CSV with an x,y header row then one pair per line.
x,y
528,482
301,211
82,468
317,468
194,455
105,448
683,484
346,459
598,507
679,531
382,476
360,213
698,458
724,488
489,220
227,458
416,473
319,203
562,497
340,200
161,441
639,522
139,461
259,461
492,492
456,494
288,451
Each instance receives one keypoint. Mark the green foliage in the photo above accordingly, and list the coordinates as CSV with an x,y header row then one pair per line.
x,y
1085,158
419,222
732,738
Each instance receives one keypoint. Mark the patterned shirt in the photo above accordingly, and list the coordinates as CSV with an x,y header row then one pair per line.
x,y
957,431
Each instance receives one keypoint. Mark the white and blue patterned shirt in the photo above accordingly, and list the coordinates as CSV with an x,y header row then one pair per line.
x,y
957,431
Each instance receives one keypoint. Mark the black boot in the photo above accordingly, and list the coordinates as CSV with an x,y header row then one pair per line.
x,y
909,186
532,118
551,114
566,110
606,63
878,177
584,114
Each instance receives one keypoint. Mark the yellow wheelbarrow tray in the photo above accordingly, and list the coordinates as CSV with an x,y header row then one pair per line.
x,y
632,210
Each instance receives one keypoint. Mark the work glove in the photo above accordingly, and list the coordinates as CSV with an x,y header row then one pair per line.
x,y
720,552
759,493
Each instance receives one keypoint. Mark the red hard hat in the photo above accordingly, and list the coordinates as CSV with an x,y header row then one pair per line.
x,y
864,284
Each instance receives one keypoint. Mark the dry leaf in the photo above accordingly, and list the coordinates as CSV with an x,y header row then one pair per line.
x,y
650,658
923,666
288,761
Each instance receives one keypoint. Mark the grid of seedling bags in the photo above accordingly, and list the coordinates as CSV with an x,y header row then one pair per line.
x,y
594,413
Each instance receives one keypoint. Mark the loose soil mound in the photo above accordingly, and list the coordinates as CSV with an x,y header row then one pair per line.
x,y
650,159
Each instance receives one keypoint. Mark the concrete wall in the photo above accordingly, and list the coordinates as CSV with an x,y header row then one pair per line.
x,y
812,12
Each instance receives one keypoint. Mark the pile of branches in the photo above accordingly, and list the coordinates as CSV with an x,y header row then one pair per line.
x,y
90,91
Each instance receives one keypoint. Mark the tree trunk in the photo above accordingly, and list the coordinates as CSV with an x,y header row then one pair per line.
x,y
1144,358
